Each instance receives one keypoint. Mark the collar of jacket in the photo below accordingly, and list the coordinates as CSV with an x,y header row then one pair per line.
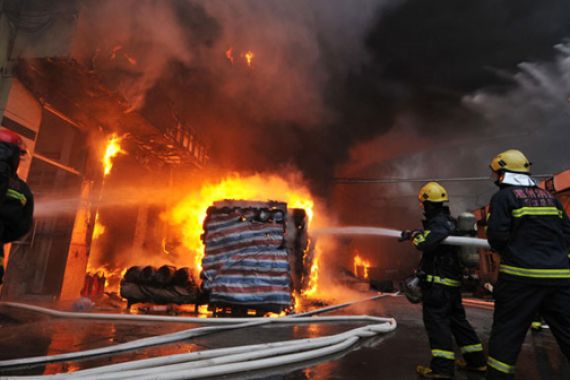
x,y
517,179
431,211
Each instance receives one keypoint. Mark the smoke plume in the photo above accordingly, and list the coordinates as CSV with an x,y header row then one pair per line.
x,y
379,88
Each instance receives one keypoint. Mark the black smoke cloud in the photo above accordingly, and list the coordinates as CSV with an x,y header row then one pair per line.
x,y
326,76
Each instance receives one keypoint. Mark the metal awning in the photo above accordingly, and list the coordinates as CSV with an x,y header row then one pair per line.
x,y
64,86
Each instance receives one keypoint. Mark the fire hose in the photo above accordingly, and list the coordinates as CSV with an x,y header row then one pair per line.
x,y
388,232
320,346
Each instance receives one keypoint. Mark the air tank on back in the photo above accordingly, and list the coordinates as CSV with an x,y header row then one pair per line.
x,y
467,226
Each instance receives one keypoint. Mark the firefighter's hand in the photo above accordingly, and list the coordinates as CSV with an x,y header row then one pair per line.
x,y
416,233
409,234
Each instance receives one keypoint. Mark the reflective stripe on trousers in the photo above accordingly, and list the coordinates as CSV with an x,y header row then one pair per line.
x,y
472,348
443,354
500,366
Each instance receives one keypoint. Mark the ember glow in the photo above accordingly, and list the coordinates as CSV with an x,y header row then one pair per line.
x,y
249,57
112,150
191,211
230,55
246,56
119,51
361,267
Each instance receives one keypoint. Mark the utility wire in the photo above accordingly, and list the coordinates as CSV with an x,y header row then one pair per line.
x,y
360,180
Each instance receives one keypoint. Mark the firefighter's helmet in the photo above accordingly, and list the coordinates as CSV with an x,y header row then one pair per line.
x,y
10,137
433,192
511,160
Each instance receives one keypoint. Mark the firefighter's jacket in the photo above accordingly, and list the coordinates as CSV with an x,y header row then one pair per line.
x,y
16,199
440,262
528,227
16,213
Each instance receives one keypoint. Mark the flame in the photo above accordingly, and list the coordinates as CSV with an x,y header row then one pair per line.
x,y
112,276
131,59
248,55
163,246
230,55
313,285
296,302
119,49
275,315
203,311
112,150
191,211
99,228
359,262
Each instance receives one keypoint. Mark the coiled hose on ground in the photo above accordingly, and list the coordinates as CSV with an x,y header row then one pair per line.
x,y
210,362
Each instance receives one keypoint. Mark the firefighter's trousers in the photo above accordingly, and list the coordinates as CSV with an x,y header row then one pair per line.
x,y
516,305
444,319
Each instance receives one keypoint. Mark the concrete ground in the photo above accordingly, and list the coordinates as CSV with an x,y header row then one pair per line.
x,y
392,356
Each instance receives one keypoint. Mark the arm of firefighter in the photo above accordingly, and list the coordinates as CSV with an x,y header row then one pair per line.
x,y
499,222
565,222
430,239
6,168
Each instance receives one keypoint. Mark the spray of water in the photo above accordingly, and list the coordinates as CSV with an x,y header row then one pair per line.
x,y
138,196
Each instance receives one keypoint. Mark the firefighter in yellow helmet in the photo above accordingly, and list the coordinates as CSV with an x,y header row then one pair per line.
x,y
440,280
528,227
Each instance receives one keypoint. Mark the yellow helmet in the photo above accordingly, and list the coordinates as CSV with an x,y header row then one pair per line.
x,y
433,192
511,160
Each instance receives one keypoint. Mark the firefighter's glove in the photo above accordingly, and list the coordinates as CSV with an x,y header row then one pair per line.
x,y
405,235
409,234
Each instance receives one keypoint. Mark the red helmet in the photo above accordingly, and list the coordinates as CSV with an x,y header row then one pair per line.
x,y
11,137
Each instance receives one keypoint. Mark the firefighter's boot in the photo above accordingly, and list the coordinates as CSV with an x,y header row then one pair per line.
x,y
536,326
428,373
464,366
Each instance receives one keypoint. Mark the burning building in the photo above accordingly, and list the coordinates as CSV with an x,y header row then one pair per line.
x,y
75,128
122,178
91,163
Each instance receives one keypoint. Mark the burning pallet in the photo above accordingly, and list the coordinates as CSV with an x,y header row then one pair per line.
x,y
255,256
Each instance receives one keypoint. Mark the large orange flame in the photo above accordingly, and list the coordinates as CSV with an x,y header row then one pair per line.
x,y
112,150
191,211
99,228
313,285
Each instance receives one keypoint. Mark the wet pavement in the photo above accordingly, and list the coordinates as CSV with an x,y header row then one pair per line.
x,y
389,356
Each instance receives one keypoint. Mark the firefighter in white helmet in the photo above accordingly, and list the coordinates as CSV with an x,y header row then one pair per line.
x,y
440,279
530,230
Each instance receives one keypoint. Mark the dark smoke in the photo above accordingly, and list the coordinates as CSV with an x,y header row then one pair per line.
x,y
326,76
281,111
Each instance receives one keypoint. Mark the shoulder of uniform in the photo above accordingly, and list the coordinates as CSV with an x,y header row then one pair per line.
x,y
506,192
442,220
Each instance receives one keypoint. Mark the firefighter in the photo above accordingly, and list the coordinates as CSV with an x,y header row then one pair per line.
x,y
528,227
440,274
16,200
